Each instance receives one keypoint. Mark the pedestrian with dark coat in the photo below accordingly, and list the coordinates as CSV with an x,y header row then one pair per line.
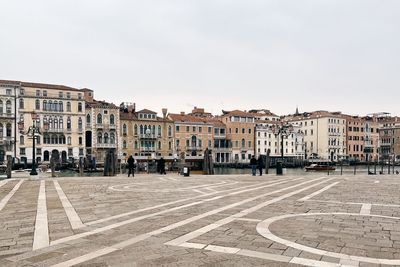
x,y
253,165
131,166
161,165
260,164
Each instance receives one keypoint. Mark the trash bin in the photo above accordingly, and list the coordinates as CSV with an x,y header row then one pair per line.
x,y
279,168
186,171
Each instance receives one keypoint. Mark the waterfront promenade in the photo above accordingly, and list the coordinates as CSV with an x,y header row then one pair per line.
x,y
220,220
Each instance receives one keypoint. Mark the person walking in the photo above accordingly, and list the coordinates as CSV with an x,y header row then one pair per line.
x,y
161,165
131,166
253,165
260,164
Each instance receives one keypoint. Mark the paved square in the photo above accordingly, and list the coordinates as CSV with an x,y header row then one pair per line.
x,y
221,220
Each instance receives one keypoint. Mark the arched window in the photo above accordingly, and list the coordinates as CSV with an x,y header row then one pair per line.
x,y
99,138
21,103
124,129
135,129
153,129
61,139
55,123
141,129
69,123
61,106
50,105
54,106
79,107
1,130
69,106
8,107
8,130
21,140
80,123
51,123
61,124
124,144
112,138
44,105
159,130
159,145
99,119
46,139
112,119
37,104
80,140
136,145
54,139
1,107
88,118
169,131
243,143
105,138
69,140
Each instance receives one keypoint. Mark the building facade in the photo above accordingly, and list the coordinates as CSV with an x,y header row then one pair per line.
x,y
144,134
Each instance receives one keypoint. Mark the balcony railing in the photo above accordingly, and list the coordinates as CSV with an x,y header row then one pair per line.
x,y
53,130
194,148
7,115
147,149
149,136
108,145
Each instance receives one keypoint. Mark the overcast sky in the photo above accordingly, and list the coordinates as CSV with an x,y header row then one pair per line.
x,y
333,55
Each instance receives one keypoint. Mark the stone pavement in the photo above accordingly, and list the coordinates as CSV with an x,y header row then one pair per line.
x,y
221,220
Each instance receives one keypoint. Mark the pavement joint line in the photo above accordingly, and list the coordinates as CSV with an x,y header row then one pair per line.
x,y
3,182
263,229
354,203
318,192
73,217
245,212
256,186
198,191
248,220
41,234
122,223
366,209
5,200
123,244
127,186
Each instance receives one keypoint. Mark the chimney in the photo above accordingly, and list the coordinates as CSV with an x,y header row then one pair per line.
x,y
131,108
182,113
164,112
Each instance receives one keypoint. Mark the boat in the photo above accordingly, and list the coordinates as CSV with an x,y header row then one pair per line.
x,y
318,167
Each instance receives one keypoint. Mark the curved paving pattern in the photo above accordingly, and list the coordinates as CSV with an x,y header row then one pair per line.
x,y
224,220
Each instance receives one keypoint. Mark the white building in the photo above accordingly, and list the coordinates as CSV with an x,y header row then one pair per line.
x,y
293,144
324,134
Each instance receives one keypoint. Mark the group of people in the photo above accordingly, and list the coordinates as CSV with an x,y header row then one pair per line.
x,y
131,166
256,164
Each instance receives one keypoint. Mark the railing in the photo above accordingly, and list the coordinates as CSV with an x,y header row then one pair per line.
x,y
194,148
53,130
7,115
222,149
145,149
148,136
103,145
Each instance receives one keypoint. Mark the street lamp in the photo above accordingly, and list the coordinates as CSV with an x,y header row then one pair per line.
x,y
148,133
33,131
283,131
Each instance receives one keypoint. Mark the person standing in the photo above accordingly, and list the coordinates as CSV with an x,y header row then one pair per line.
x,y
161,165
253,165
260,164
131,166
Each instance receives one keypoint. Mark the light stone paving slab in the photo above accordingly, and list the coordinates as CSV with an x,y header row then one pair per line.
x,y
41,234
4,201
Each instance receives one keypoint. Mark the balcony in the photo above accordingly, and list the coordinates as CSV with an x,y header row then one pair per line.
x,y
149,149
6,115
99,126
102,145
112,126
222,149
53,130
192,148
149,136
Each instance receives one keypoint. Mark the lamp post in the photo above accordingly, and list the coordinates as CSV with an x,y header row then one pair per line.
x,y
283,131
33,131
148,133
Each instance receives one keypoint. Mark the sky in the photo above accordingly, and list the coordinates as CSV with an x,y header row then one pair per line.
x,y
339,55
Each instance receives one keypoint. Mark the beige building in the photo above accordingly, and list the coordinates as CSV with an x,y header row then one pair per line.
x,y
102,128
324,134
240,127
63,109
193,134
144,134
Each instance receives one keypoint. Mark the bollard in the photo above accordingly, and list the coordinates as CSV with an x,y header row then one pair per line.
x,y
355,169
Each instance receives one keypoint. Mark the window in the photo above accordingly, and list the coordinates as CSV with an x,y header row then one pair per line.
x,y
79,96
249,144
105,138
60,94
237,130
169,131
69,106
21,140
99,119
80,151
61,106
249,130
68,95
37,92
88,118
21,91
194,128
209,129
80,140
69,140
70,152
135,129
159,130
112,119
22,151
243,143
187,128
112,138
124,144
21,103
177,128
39,151
37,104
79,107
124,129
44,93
69,123
1,107
8,130
8,91
243,131
80,123
8,107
